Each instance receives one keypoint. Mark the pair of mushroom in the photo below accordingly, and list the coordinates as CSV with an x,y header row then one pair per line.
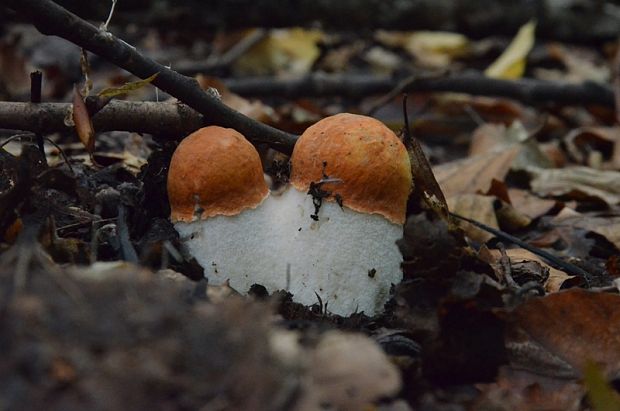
x,y
331,233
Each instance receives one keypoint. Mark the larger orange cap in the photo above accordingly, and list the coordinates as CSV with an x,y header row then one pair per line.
x,y
214,171
371,161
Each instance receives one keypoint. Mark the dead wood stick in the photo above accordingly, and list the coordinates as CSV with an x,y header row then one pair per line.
x,y
49,18
567,20
530,91
166,119
179,119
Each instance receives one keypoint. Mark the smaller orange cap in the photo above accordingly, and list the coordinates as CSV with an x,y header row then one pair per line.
x,y
371,161
214,171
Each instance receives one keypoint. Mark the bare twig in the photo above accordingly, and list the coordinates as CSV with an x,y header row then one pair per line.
x,y
554,261
50,18
109,19
528,91
165,119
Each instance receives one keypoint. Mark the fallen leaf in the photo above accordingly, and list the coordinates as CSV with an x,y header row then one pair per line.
x,y
577,183
584,142
476,207
495,137
292,51
83,122
518,390
475,174
558,335
127,87
529,204
511,63
602,396
436,49
581,64
518,255
606,225
382,61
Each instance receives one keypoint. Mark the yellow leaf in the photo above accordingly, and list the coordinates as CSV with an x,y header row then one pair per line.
x,y
441,42
431,48
511,64
126,88
292,51
601,395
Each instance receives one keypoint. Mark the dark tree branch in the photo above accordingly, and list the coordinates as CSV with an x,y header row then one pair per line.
x,y
568,20
50,18
528,91
166,119
178,119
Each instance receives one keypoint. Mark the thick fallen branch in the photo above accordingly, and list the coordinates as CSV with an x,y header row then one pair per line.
x,y
568,20
528,91
178,119
166,118
50,18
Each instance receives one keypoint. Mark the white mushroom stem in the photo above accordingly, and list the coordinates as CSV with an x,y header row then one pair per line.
x,y
349,259
242,248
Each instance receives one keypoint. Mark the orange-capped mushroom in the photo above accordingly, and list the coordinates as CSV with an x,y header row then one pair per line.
x,y
214,171
350,181
220,206
368,163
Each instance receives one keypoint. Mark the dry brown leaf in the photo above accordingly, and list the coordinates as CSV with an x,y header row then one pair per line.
x,y
83,122
510,219
518,390
494,137
491,109
517,255
528,204
587,144
476,207
559,334
582,64
607,226
577,183
474,174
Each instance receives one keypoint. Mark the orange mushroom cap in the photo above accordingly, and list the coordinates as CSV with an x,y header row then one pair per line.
x,y
214,171
368,157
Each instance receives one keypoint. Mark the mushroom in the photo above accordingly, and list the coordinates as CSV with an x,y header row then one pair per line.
x,y
221,208
345,209
335,226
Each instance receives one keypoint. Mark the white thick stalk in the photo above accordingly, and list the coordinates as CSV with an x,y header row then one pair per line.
x,y
347,258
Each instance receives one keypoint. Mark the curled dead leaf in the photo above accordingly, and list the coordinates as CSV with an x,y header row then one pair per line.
x,y
83,122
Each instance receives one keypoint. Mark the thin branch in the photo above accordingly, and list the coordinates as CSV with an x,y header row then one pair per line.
x,y
164,119
554,261
528,91
49,18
